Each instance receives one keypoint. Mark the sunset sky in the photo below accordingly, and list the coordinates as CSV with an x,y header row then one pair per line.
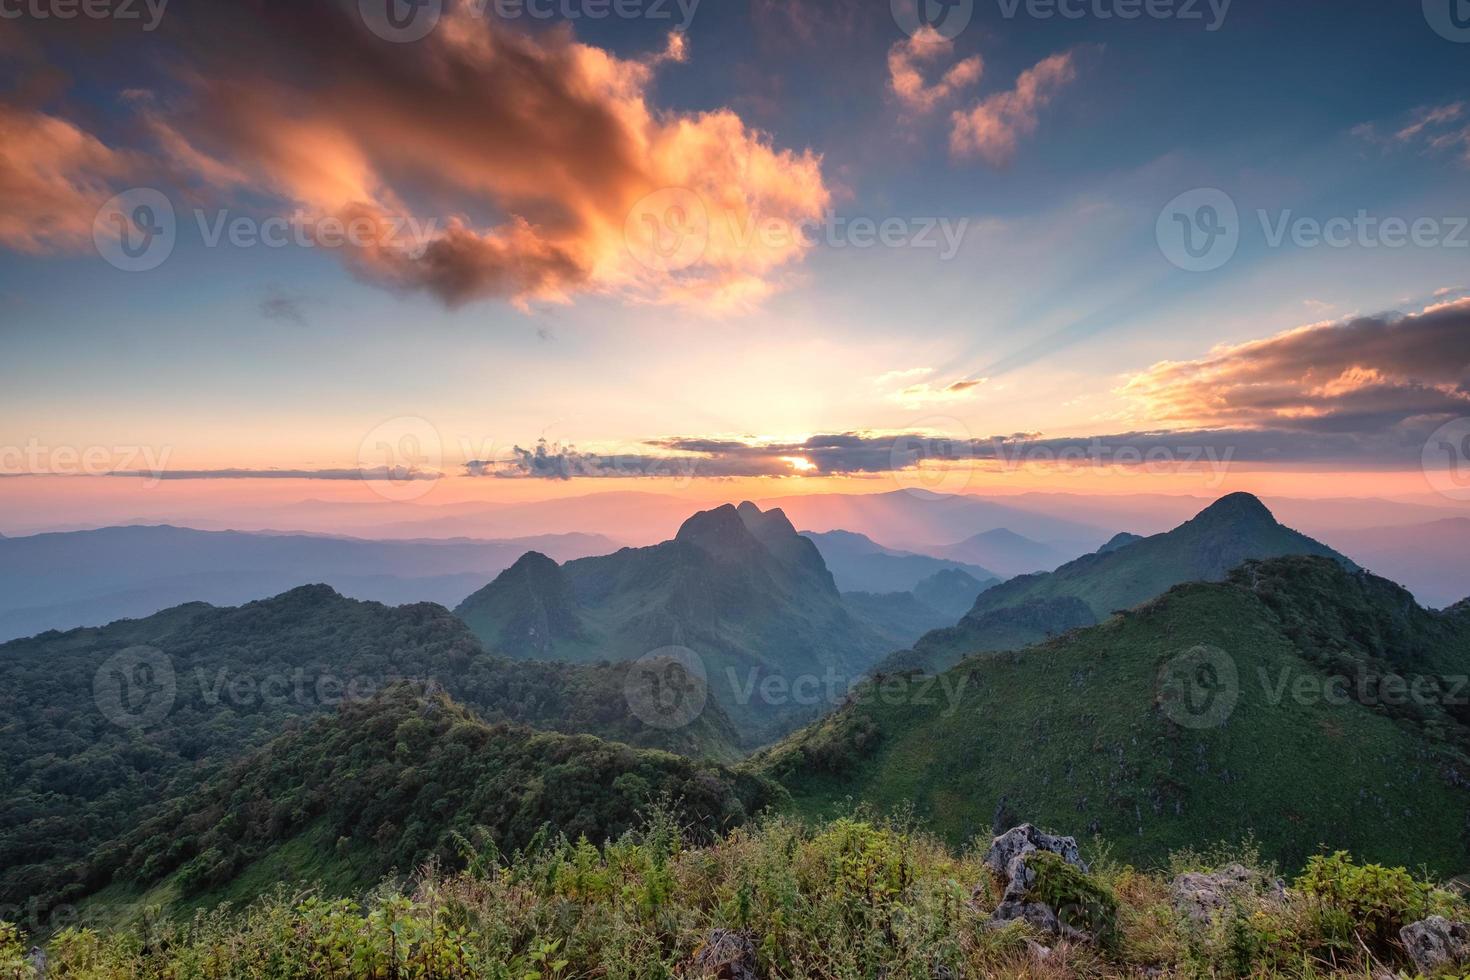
x,y
509,172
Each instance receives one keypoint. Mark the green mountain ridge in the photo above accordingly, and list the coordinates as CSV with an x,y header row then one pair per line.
x,y
407,777
74,773
1269,704
737,586
1122,574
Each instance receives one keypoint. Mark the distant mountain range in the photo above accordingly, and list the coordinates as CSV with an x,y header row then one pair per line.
x,y
1273,704
1125,573
1431,560
1005,551
736,586
90,578
860,564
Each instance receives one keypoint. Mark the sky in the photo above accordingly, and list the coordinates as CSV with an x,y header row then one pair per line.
x,y
498,250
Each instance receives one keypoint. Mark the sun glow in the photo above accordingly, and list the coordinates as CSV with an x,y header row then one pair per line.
x,y
799,463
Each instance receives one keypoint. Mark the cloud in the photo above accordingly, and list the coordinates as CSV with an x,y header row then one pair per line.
x,y
905,77
1368,377
993,129
53,178
926,393
286,307
525,155
1440,127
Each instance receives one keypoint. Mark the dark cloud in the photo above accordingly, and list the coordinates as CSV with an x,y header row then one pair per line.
x,y
377,473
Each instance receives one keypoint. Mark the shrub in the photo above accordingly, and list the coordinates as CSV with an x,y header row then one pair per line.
x,y
1368,902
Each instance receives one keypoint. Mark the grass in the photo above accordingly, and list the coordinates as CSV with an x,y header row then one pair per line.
x,y
856,897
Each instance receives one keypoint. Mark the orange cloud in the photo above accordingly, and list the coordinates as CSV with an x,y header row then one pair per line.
x,y
993,129
524,156
53,178
1363,375
906,78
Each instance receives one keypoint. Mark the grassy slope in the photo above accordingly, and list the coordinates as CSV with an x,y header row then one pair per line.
x,y
1070,735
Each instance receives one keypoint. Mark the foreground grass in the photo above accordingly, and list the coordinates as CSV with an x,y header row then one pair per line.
x,y
855,897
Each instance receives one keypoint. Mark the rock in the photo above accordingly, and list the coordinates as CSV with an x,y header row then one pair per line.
x,y
1436,942
1007,858
727,955
1025,839
1201,897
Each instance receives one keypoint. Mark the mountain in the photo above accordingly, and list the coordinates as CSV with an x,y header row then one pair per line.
x,y
1086,590
1007,552
1432,560
99,725
914,519
1275,704
860,564
403,778
744,594
88,578
1119,540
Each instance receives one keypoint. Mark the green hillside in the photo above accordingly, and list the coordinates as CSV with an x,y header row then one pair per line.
x,y
1123,574
1200,716
737,586
396,781
99,725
